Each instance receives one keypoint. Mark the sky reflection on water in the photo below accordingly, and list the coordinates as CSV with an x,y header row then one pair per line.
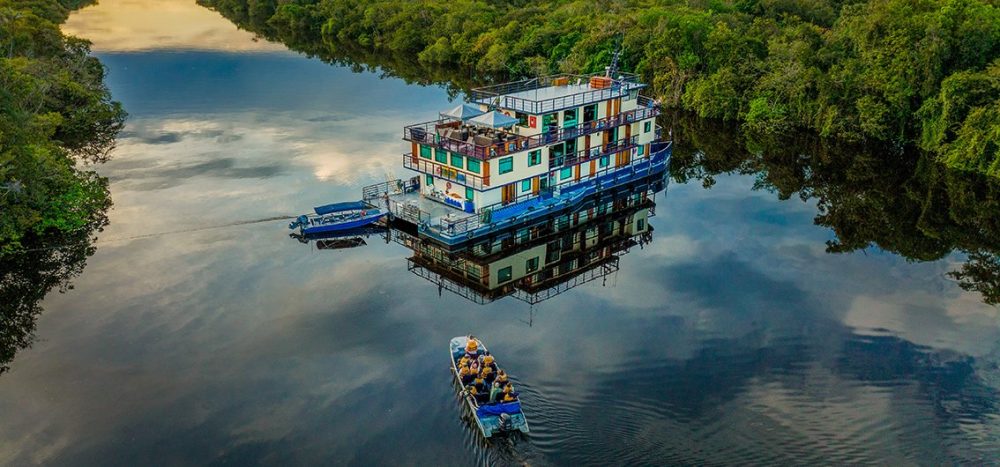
x,y
732,337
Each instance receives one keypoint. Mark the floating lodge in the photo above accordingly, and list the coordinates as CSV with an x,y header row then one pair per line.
x,y
523,152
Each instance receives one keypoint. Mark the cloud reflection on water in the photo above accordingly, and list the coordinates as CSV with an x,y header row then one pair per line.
x,y
732,334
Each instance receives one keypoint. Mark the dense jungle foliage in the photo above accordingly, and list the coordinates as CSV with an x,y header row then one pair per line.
x,y
56,116
900,71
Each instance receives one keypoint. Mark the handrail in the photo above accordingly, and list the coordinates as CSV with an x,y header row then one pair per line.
x,y
586,155
540,82
426,133
428,167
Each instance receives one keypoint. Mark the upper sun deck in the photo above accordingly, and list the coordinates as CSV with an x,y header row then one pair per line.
x,y
553,93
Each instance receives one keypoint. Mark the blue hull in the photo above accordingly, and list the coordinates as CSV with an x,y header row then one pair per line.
x,y
341,226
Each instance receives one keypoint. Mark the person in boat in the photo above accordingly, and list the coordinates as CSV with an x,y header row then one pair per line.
x,y
495,391
480,383
488,375
465,375
502,378
472,348
508,393
489,362
479,395
464,361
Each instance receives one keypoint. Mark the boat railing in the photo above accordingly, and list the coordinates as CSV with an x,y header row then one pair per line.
x,y
626,172
429,133
493,91
443,171
390,187
596,152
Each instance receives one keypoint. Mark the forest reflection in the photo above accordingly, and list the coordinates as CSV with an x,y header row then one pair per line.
x,y
46,263
902,203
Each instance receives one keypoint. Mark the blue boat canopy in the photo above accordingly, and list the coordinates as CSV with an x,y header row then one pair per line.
x,y
338,207
497,409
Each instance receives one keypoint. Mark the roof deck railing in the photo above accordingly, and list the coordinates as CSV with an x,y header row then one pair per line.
x,y
430,133
502,95
492,91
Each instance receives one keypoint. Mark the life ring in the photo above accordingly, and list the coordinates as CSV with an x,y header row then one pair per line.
x,y
448,185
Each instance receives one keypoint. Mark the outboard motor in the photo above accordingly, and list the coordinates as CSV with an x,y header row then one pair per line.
x,y
506,423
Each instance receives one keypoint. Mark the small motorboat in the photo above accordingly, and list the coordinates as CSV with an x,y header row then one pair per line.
x,y
491,418
337,217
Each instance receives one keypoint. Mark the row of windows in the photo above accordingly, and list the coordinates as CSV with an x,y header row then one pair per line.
x,y
567,172
456,160
506,165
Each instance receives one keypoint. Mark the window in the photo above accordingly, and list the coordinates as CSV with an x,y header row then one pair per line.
x,y
469,193
441,155
552,252
522,118
425,151
569,118
504,274
457,161
506,165
566,173
472,165
556,152
550,122
640,225
590,113
642,149
570,149
604,161
526,185
428,180
534,157
647,126
531,265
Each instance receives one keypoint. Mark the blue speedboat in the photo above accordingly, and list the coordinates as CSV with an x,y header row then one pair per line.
x,y
337,217
491,418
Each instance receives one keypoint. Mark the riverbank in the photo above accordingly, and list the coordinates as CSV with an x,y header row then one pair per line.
x,y
56,117
896,71
57,120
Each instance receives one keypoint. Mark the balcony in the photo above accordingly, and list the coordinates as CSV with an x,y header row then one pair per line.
x,y
553,93
440,170
596,152
453,136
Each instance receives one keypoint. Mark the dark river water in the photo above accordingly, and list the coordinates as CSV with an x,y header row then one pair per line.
x,y
790,308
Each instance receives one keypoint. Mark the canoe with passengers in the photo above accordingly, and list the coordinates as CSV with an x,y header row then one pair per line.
x,y
484,388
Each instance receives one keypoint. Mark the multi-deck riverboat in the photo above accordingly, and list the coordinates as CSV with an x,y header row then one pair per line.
x,y
518,152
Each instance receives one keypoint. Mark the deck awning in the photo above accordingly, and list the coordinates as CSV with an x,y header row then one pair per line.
x,y
463,112
338,207
494,119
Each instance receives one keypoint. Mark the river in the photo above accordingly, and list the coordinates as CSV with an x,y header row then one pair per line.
x,y
200,333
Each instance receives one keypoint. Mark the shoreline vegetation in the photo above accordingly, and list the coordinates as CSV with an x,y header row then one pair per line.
x,y
924,73
56,119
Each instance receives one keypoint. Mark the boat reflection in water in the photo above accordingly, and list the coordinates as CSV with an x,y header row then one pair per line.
x,y
341,240
532,261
